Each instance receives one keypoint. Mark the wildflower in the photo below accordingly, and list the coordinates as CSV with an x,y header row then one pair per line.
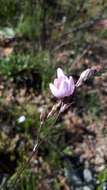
x,y
21,119
63,86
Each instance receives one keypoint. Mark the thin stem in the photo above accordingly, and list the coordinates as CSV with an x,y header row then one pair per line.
x,y
34,151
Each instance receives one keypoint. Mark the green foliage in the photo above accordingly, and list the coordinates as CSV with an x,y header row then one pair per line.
x,y
67,151
12,66
102,34
102,177
9,11
30,21
28,181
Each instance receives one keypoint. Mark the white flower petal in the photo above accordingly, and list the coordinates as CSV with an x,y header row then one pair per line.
x,y
53,89
63,90
71,85
56,83
60,73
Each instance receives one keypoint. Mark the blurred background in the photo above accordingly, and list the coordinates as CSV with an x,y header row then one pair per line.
x,y
37,37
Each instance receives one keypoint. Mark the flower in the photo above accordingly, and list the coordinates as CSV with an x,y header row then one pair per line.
x,y
63,86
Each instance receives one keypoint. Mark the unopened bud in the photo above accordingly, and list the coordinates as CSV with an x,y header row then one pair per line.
x,y
84,76
64,107
42,117
54,109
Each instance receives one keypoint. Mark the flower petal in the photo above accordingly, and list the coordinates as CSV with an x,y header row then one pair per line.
x,y
71,85
63,90
54,90
56,83
60,73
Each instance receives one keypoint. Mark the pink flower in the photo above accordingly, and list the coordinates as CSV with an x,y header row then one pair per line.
x,y
63,86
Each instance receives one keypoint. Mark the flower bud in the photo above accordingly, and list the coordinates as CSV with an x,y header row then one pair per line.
x,y
42,117
84,76
54,109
